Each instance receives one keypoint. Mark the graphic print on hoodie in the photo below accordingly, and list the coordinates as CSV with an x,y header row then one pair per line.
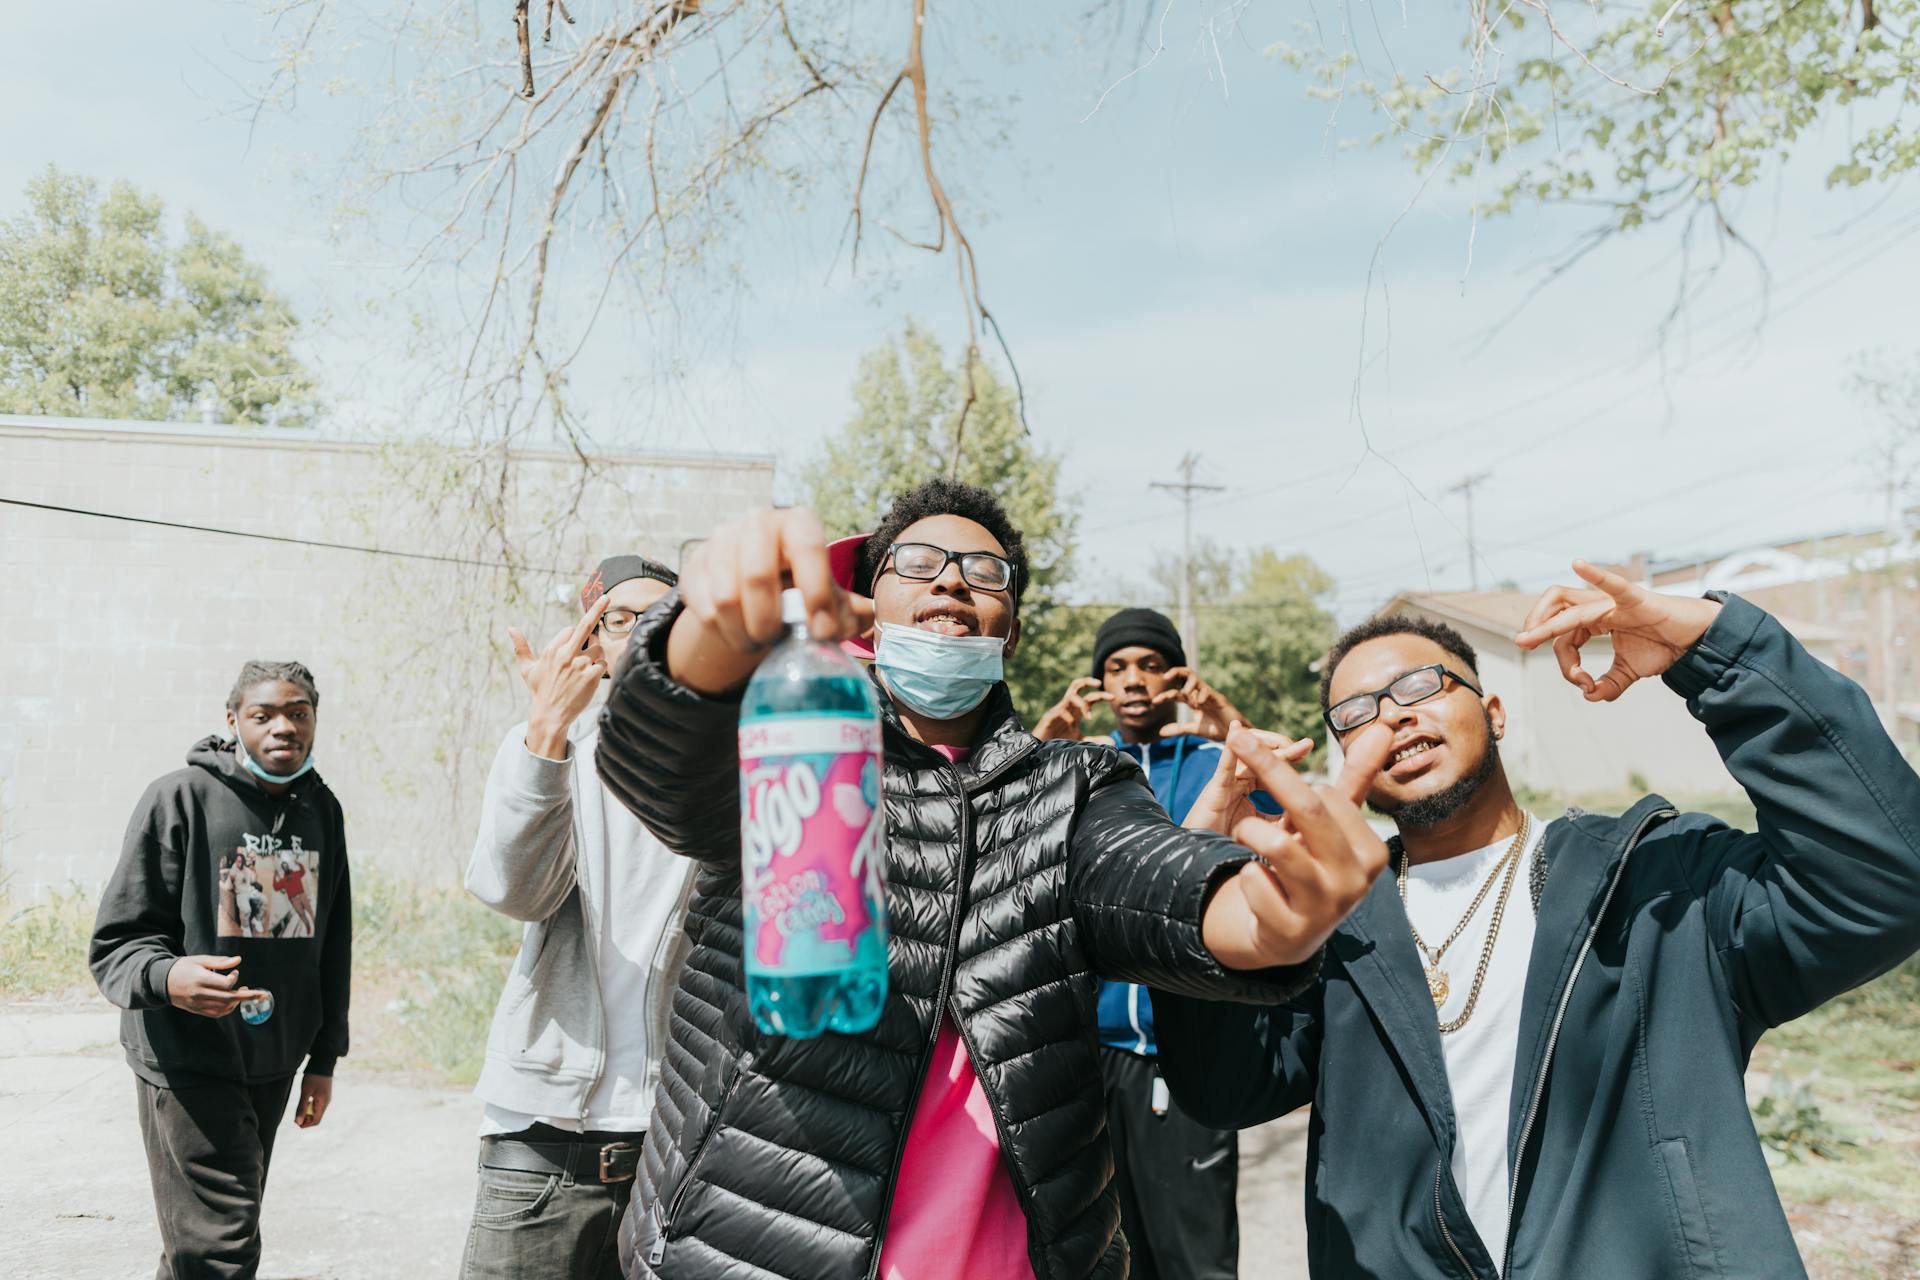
x,y
213,864
263,887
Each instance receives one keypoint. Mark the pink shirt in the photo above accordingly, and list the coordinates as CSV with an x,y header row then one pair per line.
x,y
955,1213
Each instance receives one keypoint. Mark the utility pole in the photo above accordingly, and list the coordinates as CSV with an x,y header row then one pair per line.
x,y
1466,488
1189,636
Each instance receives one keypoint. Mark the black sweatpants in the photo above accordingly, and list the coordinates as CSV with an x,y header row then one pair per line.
x,y
208,1146
1176,1179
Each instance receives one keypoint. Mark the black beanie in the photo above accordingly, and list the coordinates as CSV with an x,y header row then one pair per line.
x,y
615,570
1146,627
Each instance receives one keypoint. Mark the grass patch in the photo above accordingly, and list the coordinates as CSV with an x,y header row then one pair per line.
x,y
1858,1058
428,964
43,945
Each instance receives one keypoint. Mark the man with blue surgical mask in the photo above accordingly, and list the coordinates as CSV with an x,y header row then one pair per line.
x,y
965,1135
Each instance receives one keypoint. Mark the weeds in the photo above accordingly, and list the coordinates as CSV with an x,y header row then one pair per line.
x,y
428,962
43,945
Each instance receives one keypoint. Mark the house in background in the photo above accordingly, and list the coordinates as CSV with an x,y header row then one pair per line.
x,y
1557,741
1859,588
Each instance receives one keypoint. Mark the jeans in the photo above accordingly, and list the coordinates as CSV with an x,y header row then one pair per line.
x,y
560,1222
208,1147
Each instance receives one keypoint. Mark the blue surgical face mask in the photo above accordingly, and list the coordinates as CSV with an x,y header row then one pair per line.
x,y
941,677
240,749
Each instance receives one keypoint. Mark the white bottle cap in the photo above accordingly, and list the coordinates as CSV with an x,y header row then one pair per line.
x,y
793,607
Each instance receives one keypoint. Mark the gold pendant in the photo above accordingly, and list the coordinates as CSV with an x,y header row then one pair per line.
x,y
1437,985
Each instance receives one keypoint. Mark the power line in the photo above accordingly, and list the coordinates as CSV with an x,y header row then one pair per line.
x,y
1823,274
1186,489
278,537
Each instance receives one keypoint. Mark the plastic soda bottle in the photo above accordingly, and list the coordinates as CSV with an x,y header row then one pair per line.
x,y
813,839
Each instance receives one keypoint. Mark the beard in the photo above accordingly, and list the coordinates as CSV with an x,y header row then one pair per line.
x,y
1431,811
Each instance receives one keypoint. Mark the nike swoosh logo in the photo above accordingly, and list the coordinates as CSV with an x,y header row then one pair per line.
x,y
1209,1162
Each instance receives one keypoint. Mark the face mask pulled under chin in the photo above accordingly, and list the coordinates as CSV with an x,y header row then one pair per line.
x,y
937,676
240,749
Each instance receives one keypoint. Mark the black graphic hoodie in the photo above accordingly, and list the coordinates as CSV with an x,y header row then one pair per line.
x,y
214,865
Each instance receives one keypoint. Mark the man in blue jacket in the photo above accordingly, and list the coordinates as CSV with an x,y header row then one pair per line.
x,y
1535,1034
1176,1177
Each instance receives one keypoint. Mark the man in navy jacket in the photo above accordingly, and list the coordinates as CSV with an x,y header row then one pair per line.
x,y
1607,978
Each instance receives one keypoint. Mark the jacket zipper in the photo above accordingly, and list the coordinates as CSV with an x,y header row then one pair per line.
x,y
661,1221
1444,1233
1020,1187
947,967
1559,1016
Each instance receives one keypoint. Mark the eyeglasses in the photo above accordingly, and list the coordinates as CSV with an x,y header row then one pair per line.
x,y
1415,686
617,622
922,562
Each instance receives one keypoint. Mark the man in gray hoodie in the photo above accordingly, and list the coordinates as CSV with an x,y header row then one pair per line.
x,y
573,1053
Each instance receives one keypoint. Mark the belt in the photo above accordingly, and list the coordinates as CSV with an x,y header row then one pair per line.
x,y
606,1163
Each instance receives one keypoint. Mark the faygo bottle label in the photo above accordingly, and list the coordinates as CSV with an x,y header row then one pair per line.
x,y
812,834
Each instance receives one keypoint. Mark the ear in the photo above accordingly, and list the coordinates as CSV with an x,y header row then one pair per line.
x,y
1496,713
1013,636
232,727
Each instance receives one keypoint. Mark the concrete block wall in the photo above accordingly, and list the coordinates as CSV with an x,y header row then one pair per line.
x,y
119,641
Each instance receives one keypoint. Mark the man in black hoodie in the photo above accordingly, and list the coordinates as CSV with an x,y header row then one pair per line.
x,y
237,861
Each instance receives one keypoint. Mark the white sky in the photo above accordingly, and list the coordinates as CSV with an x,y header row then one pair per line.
x,y
1184,270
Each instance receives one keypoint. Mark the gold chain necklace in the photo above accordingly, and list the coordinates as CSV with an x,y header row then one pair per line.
x,y
1438,984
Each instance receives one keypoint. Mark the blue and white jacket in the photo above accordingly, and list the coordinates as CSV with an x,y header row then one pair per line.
x,y
1178,769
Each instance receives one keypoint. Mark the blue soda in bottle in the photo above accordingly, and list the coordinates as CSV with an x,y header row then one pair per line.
x,y
813,839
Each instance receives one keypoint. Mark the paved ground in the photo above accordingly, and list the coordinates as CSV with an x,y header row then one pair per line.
x,y
380,1191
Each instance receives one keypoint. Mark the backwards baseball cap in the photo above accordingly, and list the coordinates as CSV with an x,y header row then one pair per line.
x,y
843,557
1147,628
615,570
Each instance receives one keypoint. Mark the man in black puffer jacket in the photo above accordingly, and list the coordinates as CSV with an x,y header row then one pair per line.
x,y
965,1134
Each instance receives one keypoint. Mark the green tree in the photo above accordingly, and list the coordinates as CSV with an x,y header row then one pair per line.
x,y
1647,113
102,316
1262,621
907,399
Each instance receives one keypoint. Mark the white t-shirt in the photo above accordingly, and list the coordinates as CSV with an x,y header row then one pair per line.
x,y
1480,1056
633,886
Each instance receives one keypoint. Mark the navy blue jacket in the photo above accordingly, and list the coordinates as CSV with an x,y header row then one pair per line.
x,y
1667,945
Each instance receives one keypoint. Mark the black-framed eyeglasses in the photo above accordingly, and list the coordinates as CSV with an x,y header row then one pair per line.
x,y
1416,685
617,622
923,562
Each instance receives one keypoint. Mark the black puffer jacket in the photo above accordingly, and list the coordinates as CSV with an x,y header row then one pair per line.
x,y
769,1157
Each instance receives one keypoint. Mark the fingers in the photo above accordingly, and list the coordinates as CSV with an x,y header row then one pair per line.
x,y
1615,585
584,628
1181,676
1566,650
522,651
215,962
1589,615
1228,765
1274,774
1613,684
711,588
1366,755
803,551
1086,687
759,567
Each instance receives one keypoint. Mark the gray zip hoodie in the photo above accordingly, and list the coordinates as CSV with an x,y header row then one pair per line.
x,y
549,833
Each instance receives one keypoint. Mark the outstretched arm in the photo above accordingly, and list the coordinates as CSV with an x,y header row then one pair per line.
x,y
1826,893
